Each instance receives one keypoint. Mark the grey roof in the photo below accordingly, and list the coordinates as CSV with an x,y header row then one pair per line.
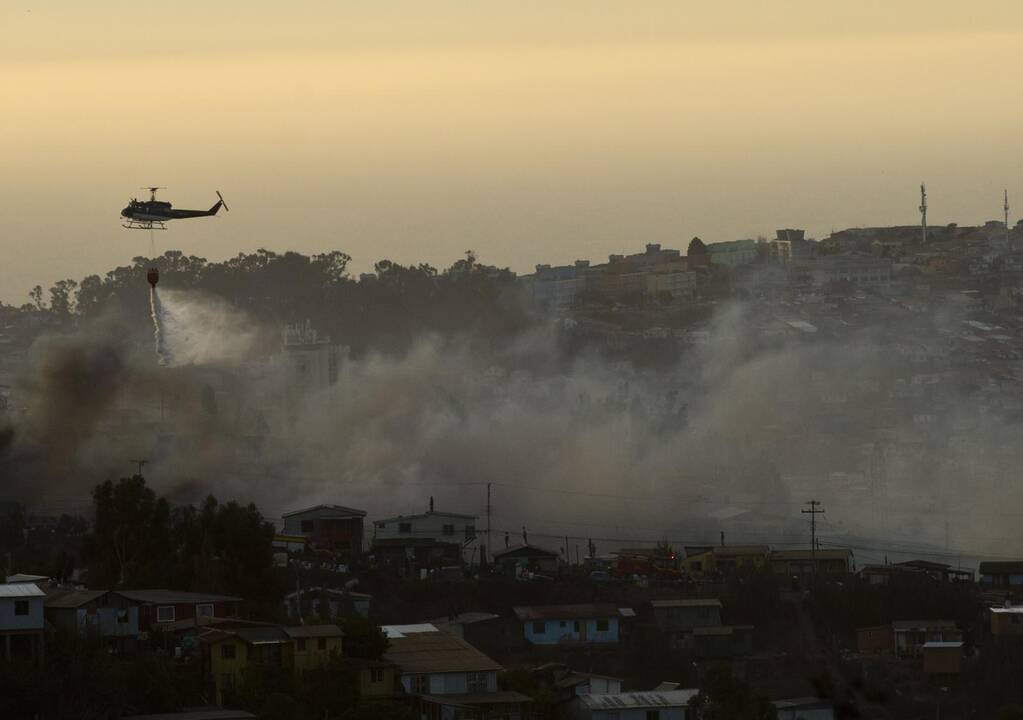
x,y
945,644
566,612
313,631
72,598
21,590
692,602
26,578
436,652
261,635
802,702
638,700
173,597
341,510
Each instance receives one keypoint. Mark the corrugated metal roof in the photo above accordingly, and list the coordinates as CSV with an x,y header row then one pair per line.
x,y
638,700
173,597
946,644
20,590
397,631
566,612
923,624
1014,610
72,598
436,652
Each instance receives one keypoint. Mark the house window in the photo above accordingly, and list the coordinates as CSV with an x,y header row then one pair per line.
x,y
539,628
653,715
376,675
321,643
602,625
301,644
476,682
611,716
470,532
448,530
575,626
420,684
563,624
204,610
165,613
21,607
227,651
405,528
122,617
307,526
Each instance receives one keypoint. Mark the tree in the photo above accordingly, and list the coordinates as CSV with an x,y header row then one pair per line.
x,y
130,533
723,697
696,247
363,638
62,298
36,295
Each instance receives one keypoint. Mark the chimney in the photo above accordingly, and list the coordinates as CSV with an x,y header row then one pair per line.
x,y
722,538
431,503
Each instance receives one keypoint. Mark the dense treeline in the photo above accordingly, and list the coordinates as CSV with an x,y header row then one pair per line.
x,y
386,310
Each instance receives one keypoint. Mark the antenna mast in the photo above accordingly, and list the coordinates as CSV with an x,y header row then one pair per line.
x,y
923,210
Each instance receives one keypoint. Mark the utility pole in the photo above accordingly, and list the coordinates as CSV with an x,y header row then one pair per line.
x,y
141,464
1006,208
813,512
923,210
489,547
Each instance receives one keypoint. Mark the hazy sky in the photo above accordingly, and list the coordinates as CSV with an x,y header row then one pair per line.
x,y
529,131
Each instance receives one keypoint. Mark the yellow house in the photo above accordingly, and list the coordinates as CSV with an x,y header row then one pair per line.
x,y
313,645
725,559
228,653
374,678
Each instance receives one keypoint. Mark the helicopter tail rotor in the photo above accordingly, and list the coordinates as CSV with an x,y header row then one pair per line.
x,y
222,201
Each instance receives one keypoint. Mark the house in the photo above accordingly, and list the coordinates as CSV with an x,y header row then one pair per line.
x,y
942,658
1004,574
93,613
313,646
157,607
1007,620
803,563
943,572
375,679
725,559
490,633
905,637
329,527
677,619
22,622
593,624
516,560
808,708
431,540
651,705
449,677
226,654
326,602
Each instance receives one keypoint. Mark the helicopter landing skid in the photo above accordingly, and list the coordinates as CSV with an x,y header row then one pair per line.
x,y
144,225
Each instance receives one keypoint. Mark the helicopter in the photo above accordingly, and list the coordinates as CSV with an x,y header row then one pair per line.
x,y
152,214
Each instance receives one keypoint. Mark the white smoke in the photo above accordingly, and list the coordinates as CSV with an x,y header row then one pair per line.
x,y
193,328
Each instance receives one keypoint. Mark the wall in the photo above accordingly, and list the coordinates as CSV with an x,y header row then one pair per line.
x,y
312,657
450,683
875,639
430,526
1006,623
942,660
555,631
663,713
219,666
32,621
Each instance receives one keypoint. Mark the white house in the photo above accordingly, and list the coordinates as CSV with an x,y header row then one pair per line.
x,y
592,623
651,705
432,539
21,621
448,674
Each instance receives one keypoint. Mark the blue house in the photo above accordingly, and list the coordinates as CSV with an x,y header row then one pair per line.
x,y
585,624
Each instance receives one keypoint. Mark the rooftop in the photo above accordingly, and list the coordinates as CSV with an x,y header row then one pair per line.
x,y
935,644
21,590
67,598
197,715
339,510
564,612
423,515
436,652
639,700
173,597
521,549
